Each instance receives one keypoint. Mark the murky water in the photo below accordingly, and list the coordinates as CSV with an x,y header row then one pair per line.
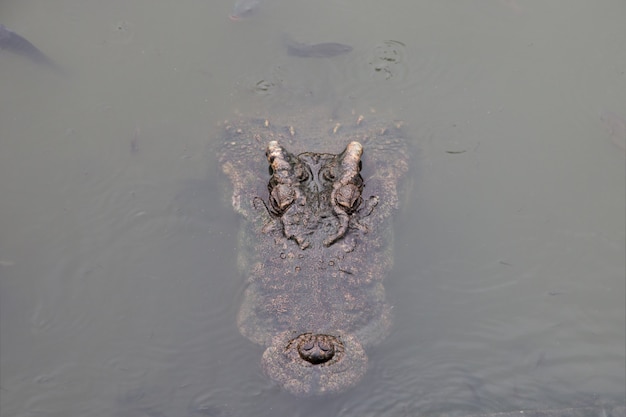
x,y
118,276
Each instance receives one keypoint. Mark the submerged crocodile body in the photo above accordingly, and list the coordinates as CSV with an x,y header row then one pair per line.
x,y
316,243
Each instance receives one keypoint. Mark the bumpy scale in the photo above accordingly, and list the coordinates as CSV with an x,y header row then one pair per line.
x,y
316,243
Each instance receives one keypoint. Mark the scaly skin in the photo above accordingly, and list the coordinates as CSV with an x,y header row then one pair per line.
x,y
316,243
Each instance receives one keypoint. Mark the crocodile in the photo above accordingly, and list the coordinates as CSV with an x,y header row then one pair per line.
x,y
315,243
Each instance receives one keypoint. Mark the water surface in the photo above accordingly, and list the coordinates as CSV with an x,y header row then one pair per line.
x,y
118,253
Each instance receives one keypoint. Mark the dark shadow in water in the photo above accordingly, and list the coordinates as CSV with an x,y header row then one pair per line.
x,y
12,42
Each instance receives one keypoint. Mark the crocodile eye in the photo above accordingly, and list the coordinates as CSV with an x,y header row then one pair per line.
x,y
328,175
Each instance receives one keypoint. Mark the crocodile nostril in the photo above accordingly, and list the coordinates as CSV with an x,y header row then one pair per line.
x,y
316,349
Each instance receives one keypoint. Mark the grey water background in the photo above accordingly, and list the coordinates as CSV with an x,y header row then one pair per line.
x,y
118,278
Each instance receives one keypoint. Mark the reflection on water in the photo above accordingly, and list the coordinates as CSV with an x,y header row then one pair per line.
x,y
118,250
